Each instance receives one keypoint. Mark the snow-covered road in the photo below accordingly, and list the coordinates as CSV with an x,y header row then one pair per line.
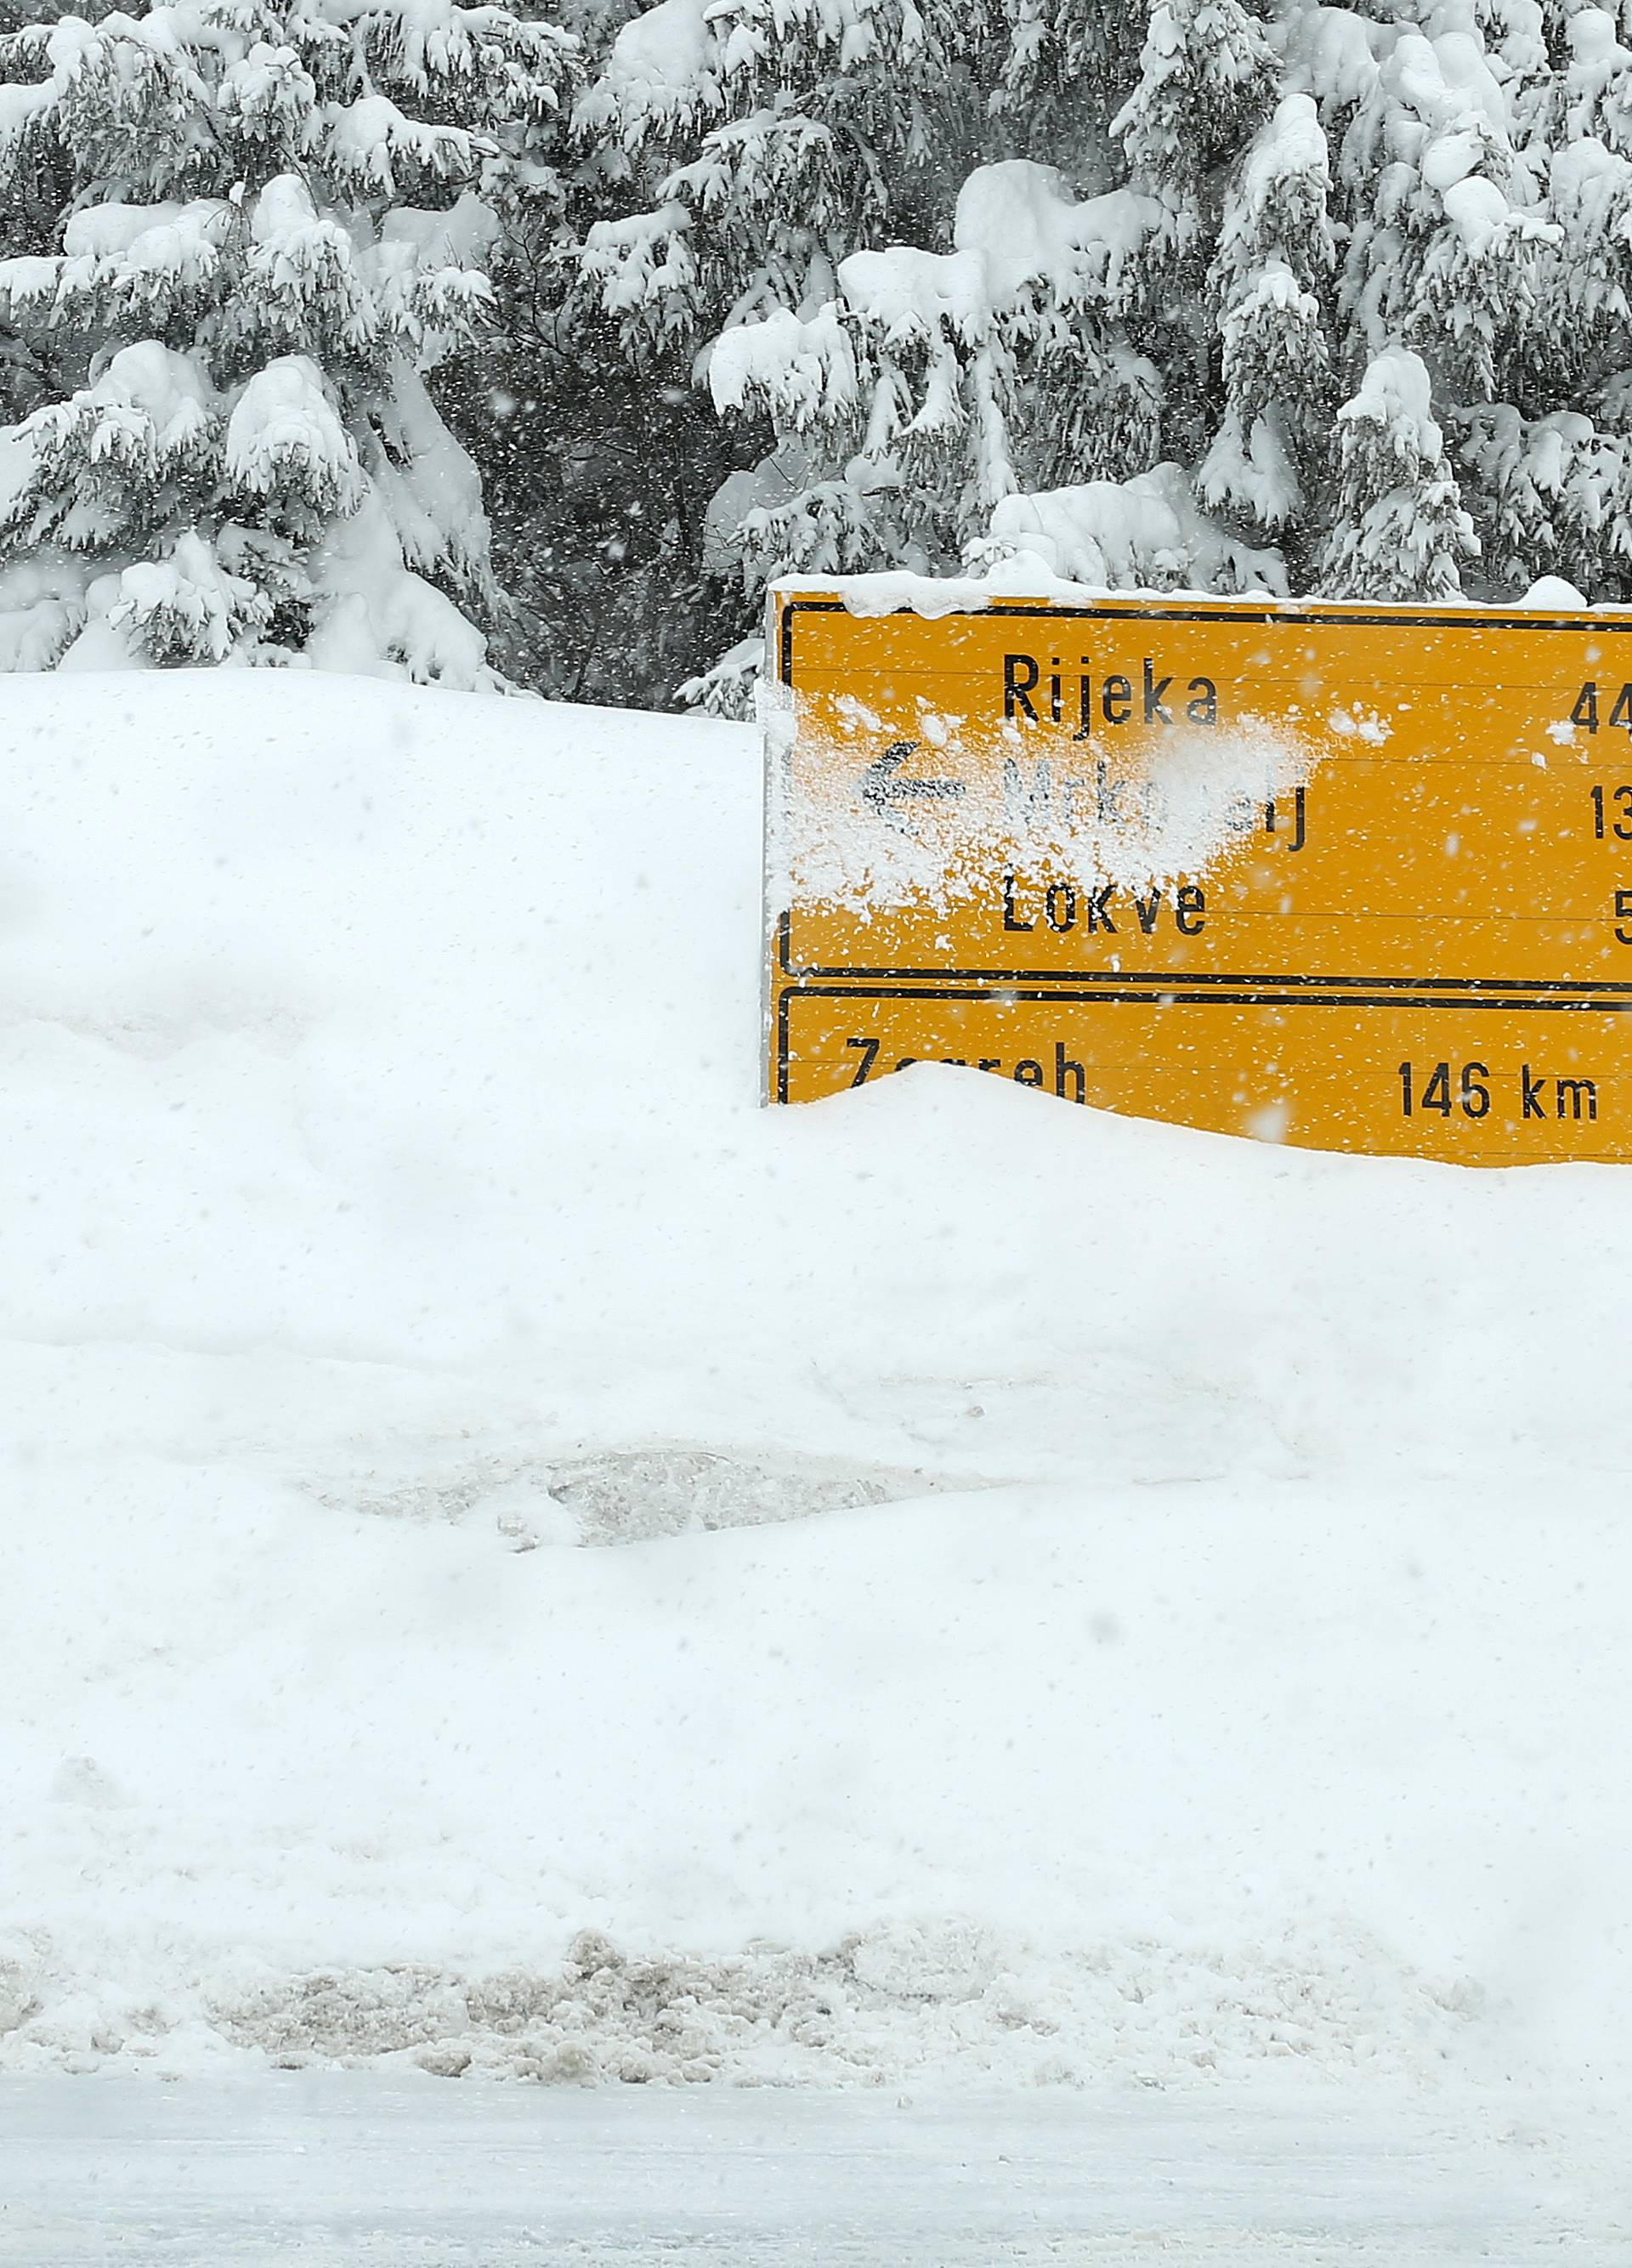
x,y
362,2168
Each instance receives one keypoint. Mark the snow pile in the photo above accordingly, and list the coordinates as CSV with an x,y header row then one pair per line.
x,y
1143,533
877,2006
1091,1601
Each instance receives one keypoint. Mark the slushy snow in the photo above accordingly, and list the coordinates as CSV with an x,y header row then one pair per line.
x,y
517,1559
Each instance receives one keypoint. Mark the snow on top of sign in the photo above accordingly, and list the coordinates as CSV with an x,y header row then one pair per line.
x,y
1553,595
1026,574
1023,574
898,590
1141,538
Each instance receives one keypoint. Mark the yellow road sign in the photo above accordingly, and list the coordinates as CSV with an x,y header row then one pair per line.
x,y
1353,877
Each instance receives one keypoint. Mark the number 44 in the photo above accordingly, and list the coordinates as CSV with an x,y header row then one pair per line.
x,y
1585,710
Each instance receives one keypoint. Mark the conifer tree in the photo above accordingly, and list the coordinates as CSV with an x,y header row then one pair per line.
x,y
1155,260
1270,280
1207,80
747,151
1164,290
275,229
1399,528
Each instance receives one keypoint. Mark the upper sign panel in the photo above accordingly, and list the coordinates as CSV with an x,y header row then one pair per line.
x,y
1265,869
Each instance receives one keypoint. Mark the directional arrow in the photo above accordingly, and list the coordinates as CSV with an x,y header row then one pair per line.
x,y
884,793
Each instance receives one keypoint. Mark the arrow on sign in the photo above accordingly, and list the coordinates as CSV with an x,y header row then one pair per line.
x,y
884,793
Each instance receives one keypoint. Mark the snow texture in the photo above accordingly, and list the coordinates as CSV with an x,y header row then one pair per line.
x,y
253,471
1091,1603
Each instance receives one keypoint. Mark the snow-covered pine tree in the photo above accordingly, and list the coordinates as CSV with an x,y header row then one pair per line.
x,y
1207,80
905,390
1046,335
821,283
275,229
935,385
1548,474
1270,280
1399,528
735,152
779,135
1484,225
1163,241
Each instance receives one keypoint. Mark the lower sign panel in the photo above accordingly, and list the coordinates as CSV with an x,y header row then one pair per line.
x,y
1487,1084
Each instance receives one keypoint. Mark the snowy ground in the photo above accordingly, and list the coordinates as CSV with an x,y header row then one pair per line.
x,y
519,1562
349,2172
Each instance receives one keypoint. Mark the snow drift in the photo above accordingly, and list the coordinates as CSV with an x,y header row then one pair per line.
x,y
1092,1601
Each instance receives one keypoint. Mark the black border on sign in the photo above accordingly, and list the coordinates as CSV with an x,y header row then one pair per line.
x,y
1224,610
1158,982
1175,996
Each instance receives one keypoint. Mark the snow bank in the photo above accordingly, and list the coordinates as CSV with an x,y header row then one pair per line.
x,y
1094,1602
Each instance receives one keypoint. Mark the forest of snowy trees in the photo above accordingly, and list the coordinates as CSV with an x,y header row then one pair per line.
x,y
522,345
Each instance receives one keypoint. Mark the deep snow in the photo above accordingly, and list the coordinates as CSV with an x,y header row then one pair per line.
x,y
1181,1633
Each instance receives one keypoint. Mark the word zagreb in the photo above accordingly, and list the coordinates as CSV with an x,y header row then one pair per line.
x,y
1113,700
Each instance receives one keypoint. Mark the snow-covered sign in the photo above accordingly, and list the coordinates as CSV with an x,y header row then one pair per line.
x,y
1356,877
